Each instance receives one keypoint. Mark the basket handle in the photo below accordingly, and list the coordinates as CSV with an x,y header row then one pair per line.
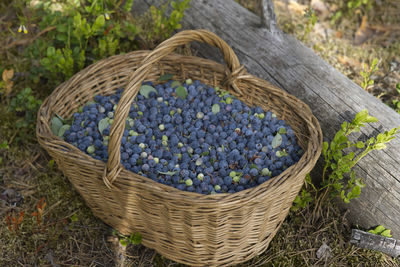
x,y
233,73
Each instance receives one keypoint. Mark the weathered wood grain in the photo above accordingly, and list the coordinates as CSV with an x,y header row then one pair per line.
x,y
333,98
268,18
383,244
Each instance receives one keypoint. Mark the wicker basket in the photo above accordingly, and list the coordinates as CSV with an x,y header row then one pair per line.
x,y
199,230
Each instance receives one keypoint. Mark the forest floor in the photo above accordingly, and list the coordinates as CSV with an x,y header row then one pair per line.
x,y
68,234
351,42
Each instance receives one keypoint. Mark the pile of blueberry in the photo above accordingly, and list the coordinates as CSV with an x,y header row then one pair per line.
x,y
190,136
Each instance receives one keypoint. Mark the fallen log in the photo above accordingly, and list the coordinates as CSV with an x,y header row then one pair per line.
x,y
333,98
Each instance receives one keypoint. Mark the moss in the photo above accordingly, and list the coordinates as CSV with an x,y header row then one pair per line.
x,y
75,242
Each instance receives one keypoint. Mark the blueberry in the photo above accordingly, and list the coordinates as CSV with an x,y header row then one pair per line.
x,y
254,172
141,128
141,139
82,146
184,173
228,180
106,131
278,165
145,167
124,156
152,163
167,133
239,188
258,161
261,179
181,187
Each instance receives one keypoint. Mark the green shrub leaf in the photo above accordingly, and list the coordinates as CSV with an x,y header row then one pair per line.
x,y
145,90
369,119
282,130
325,147
181,92
175,84
386,233
103,124
62,28
56,124
166,77
74,218
62,130
380,146
360,144
379,229
136,238
123,242
253,166
215,108
98,23
280,153
61,37
277,141
51,51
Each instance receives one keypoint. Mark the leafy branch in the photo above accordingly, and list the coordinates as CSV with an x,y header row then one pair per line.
x,y
381,230
367,73
134,239
338,163
340,156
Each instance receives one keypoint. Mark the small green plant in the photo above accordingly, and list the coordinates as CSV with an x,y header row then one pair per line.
x,y
311,19
78,33
380,230
163,26
63,37
134,239
396,102
367,73
354,4
339,159
224,95
348,8
74,218
301,201
4,145
26,105
340,156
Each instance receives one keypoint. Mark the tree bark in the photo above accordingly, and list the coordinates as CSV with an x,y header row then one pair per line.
x,y
333,98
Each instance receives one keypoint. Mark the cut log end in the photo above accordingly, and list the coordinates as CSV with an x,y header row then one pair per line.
x,y
383,244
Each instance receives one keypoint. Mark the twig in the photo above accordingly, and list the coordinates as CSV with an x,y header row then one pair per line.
x,y
29,40
51,208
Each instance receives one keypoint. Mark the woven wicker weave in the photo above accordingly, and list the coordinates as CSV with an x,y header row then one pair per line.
x,y
199,230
